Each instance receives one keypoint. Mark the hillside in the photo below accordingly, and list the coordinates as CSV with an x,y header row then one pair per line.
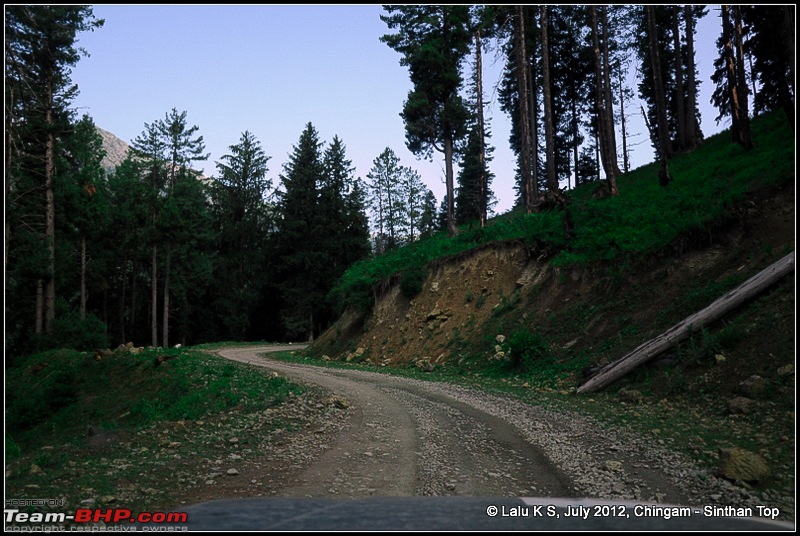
x,y
580,316
540,312
633,266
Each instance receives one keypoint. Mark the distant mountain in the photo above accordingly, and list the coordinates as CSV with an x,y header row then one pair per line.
x,y
116,150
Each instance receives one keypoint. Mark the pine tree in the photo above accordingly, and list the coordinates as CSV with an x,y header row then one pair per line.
x,y
659,131
344,224
150,148
434,41
40,50
168,147
473,196
299,249
602,68
183,149
386,199
242,220
771,44
549,119
83,206
413,195
428,218
130,249
730,96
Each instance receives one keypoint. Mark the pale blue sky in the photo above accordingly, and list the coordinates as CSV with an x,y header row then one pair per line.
x,y
272,69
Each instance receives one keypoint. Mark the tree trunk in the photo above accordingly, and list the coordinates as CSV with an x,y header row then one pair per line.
x,y
661,126
680,104
165,314
39,321
575,131
452,229
549,128
690,125
134,300
9,122
741,79
738,129
533,127
626,164
612,136
481,128
643,353
154,297
83,278
661,137
789,33
50,219
122,300
607,153
523,91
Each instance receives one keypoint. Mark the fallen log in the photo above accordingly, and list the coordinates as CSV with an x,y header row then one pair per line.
x,y
682,330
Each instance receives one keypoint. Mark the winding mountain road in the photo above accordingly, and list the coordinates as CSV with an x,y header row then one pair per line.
x,y
491,462
408,437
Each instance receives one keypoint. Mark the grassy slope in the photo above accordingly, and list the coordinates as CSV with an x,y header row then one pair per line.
x,y
643,220
154,427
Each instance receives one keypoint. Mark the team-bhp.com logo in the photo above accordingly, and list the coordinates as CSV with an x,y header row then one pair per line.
x,y
94,515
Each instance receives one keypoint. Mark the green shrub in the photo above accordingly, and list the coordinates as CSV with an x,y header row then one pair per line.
x,y
72,331
412,280
527,351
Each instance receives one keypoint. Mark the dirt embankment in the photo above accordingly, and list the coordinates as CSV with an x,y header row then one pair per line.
x,y
469,299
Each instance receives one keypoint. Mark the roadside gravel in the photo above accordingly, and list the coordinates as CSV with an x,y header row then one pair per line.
x,y
403,437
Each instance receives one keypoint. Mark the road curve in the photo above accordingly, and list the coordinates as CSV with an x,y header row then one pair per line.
x,y
409,438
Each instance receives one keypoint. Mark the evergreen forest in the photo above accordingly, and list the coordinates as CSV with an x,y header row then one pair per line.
x,y
155,253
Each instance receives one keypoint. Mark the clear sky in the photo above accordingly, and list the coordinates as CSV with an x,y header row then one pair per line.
x,y
272,69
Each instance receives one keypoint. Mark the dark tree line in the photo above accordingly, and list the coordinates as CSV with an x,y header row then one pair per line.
x,y
564,86
153,252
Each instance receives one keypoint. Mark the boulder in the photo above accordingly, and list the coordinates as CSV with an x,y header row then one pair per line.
x,y
753,386
739,464
425,364
740,405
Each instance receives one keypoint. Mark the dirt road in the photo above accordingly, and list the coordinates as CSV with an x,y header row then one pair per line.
x,y
405,437
374,449
408,438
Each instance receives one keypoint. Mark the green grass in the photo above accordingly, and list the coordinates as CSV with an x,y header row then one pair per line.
x,y
57,395
644,219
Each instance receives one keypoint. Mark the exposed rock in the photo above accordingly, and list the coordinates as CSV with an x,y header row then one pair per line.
x,y
232,472
500,339
425,364
433,314
739,464
337,402
632,396
786,370
613,466
740,405
753,386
